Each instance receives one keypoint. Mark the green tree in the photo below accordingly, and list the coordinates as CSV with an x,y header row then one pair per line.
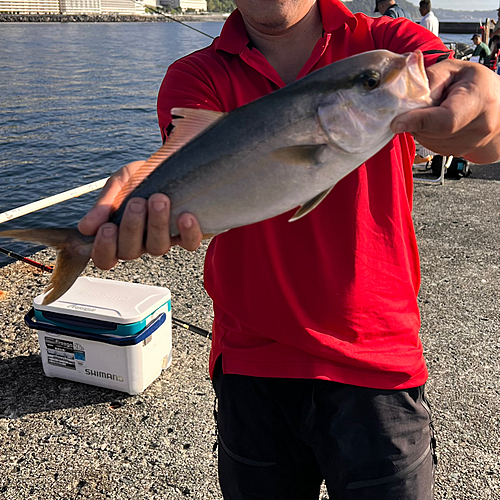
x,y
220,5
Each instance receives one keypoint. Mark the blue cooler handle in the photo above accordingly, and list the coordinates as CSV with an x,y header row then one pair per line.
x,y
122,341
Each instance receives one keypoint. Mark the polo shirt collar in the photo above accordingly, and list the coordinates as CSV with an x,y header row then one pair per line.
x,y
233,38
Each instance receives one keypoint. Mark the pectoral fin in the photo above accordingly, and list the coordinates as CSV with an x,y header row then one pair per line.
x,y
310,205
305,155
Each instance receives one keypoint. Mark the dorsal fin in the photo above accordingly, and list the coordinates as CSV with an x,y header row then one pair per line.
x,y
188,123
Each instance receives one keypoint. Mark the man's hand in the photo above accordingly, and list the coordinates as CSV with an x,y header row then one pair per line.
x,y
467,121
141,216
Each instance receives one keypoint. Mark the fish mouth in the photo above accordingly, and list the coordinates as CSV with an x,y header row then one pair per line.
x,y
408,81
351,116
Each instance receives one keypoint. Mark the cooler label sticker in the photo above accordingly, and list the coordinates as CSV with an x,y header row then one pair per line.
x,y
64,353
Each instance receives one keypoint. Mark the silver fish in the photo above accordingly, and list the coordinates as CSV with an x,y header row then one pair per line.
x,y
287,149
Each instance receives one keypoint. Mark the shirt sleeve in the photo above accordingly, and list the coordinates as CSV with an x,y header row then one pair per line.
x,y
402,35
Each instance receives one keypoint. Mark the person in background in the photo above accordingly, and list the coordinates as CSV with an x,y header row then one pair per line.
x,y
496,30
482,50
429,20
391,8
494,44
494,48
423,155
316,358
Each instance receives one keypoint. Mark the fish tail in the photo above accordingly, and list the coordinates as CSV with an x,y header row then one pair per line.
x,y
73,254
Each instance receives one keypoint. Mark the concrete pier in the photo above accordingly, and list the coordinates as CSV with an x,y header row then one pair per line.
x,y
68,441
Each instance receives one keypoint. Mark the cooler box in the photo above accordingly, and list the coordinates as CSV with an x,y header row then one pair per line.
x,y
106,333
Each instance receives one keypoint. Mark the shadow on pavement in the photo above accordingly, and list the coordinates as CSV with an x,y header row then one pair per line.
x,y
26,390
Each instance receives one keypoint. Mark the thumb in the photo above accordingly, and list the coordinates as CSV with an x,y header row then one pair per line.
x,y
429,122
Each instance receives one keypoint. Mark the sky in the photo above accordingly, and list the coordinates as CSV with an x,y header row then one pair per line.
x,y
464,4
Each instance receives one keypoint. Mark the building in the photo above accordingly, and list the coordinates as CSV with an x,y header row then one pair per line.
x,y
197,5
121,7
75,6
30,6
80,6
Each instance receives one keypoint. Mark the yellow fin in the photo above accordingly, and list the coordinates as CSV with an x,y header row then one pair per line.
x,y
188,123
303,155
310,205
74,251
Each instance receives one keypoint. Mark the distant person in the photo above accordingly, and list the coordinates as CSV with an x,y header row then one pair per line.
x,y
390,8
481,50
495,49
429,20
496,30
495,45
423,155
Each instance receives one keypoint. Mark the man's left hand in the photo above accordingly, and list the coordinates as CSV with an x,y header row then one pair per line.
x,y
466,123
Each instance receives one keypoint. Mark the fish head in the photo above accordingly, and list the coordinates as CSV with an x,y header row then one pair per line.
x,y
356,118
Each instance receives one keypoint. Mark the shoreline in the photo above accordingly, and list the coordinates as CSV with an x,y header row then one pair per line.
x,y
108,18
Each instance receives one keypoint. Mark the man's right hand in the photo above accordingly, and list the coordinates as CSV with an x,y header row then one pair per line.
x,y
150,217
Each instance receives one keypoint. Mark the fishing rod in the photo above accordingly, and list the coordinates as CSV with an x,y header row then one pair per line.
x,y
156,11
51,200
48,269
191,328
16,256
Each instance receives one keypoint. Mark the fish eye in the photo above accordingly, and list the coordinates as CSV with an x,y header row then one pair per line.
x,y
370,80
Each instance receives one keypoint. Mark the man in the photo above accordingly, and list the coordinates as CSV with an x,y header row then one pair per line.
x,y
482,50
315,359
390,8
429,20
496,30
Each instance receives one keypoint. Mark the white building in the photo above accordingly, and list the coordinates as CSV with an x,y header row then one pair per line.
x,y
198,5
80,6
121,7
75,6
30,6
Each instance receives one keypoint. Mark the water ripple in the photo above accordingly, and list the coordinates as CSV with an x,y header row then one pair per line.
x,y
77,102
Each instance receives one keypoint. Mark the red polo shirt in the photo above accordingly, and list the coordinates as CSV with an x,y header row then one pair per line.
x,y
334,294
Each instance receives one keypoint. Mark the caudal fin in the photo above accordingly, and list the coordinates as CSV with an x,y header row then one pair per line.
x,y
72,257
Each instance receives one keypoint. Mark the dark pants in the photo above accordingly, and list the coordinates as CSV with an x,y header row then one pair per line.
x,y
279,438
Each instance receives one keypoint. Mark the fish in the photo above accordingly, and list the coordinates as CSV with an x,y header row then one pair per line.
x,y
282,151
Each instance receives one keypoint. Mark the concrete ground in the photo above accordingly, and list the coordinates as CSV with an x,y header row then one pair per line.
x,y
64,440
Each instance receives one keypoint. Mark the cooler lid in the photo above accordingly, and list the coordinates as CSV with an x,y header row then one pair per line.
x,y
107,300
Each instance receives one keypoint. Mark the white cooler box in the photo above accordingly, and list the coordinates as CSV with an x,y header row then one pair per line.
x,y
106,333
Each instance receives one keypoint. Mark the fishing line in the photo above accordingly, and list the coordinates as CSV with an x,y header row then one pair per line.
x,y
156,11
48,269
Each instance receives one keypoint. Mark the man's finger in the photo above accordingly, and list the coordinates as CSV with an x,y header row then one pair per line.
x,y
105,245
439,121
158,235
132,226
190,233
